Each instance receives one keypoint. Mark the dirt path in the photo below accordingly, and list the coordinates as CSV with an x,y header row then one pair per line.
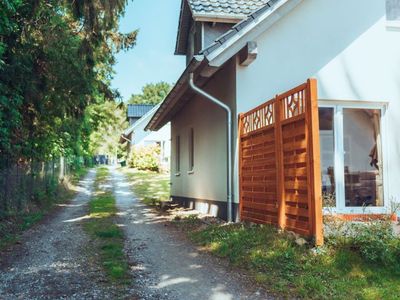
x,y
53,260
167,265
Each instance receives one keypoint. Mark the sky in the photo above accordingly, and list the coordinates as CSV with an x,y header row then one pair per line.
x,y
152,59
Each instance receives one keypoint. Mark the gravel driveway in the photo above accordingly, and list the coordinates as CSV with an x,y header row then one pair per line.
x,y
53,260
167,266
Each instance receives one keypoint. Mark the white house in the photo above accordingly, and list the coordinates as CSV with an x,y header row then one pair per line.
x,y
136,135
243,53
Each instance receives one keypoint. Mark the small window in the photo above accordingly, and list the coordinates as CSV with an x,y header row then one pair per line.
x,y
178,154
191,150
393,10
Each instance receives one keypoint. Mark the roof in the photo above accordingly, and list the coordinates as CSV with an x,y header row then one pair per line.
x,y
213,58
227,11
236,29
138,110
131,128
225,8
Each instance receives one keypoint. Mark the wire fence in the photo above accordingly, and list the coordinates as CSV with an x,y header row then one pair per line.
x,y
25,184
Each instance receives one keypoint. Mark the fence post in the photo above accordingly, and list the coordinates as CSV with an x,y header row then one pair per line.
x,y
240,166
314,160
280,176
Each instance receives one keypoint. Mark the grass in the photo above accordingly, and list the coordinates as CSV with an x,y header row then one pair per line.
x,y
289,270
15,223
276,261
150,187
108,236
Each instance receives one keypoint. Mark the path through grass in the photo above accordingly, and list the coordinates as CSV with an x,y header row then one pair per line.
x,y
107,234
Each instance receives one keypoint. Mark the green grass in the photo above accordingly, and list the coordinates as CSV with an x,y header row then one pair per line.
x,y
150,187
14,223
289,270
108,236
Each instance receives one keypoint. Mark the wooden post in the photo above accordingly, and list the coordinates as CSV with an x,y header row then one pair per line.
x,y
314,162
240,165
280,177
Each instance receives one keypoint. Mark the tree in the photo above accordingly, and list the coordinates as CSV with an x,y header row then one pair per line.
x,y
56,60
151,94
109,119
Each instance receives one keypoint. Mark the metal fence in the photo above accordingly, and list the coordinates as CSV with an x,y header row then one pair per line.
x,y
25,184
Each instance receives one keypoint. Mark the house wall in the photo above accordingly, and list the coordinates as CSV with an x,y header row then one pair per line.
x,y
347,46
206,188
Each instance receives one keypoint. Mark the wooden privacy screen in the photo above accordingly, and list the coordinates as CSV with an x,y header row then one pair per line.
x,y
280,164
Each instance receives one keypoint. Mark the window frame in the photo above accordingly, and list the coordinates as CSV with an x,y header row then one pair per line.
x,y
338,107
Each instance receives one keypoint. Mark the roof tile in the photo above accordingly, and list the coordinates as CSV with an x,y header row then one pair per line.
x,y
226,7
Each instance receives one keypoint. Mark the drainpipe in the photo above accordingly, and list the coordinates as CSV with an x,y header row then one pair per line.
x,y
229,126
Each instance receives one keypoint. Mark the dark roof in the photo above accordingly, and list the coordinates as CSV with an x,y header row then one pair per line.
x,y
225,8
138,110
238,27
234,10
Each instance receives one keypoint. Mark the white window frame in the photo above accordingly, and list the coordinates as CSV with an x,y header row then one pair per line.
x,y
338,107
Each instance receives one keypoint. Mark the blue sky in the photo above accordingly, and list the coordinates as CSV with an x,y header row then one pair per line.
x,y
153,59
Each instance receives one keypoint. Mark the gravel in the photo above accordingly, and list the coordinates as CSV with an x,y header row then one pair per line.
x,y
168,266
54,259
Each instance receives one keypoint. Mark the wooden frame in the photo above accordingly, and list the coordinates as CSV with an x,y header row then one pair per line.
x,y
279,163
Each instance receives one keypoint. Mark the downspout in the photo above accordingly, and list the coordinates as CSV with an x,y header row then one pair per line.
x,y
229,125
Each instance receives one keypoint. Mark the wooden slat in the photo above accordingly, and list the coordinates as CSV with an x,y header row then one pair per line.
x,y
261,207
297,211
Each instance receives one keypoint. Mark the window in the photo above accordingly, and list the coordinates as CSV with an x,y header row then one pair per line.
x,y
393,10
351,156
191,150
178,155
393,13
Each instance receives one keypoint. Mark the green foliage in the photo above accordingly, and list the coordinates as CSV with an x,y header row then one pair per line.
x,y
374,241
276,261
145,158
56,60
151,94
109,120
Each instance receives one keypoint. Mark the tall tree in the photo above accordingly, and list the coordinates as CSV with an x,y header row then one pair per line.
x,y
56,60
152,93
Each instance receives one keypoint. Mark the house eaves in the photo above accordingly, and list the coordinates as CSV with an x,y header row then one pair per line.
x,y
213,57
219,11
178,96
230,43
130,129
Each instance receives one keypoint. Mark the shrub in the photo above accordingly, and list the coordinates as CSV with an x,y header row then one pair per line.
x,y
374,241
145,158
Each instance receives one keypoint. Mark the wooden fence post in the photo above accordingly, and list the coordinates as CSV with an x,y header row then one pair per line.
x,y
240,166
314,161
280,176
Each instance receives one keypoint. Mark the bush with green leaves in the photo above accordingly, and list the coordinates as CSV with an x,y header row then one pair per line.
x,y
145,158
375,240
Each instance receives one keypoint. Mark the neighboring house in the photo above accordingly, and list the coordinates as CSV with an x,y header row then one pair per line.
x,y
351,48
136,135
136,111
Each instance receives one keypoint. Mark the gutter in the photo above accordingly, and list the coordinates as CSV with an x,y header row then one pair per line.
x,y
229,133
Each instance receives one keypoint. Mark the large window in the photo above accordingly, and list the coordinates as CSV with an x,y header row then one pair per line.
x,y
351,156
